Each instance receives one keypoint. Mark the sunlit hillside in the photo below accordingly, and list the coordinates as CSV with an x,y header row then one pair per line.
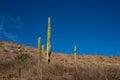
x,y
19,62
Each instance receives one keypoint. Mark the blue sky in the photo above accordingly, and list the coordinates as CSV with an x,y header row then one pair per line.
x,y
92,25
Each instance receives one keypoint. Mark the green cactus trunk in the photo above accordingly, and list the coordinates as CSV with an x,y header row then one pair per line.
x,y
39,48
43,51
75,57
49,40
39,69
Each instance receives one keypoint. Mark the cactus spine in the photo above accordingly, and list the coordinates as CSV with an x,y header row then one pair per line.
x,y
49,40
39,48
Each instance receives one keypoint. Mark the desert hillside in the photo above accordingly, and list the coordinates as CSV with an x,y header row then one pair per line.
x,y
62,66
11,49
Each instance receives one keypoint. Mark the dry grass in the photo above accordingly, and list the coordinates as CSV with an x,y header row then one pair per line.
x,y
90,67
56,71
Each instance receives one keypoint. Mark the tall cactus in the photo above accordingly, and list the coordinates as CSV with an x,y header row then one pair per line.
x,y
39,48
49,40
75,57
39,69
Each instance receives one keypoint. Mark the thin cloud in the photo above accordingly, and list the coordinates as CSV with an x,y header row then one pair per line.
x,y
15,22
9,36
12,23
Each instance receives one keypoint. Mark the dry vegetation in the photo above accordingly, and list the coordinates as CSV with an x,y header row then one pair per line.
x,y
14,57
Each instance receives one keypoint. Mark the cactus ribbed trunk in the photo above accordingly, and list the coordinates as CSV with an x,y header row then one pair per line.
x,y
43,51
39,69
49,40
75,57
39,48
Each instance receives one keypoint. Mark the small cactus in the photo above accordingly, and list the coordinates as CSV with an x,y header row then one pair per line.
x,y
65,61
39,48
75,57
43,51
49,40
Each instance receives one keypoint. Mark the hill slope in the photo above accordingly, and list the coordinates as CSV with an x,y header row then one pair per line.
x,y
62,66
11,49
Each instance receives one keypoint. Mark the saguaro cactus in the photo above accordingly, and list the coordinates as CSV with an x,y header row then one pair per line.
x,y
43,51
39,69
75,57
49,40
39,48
